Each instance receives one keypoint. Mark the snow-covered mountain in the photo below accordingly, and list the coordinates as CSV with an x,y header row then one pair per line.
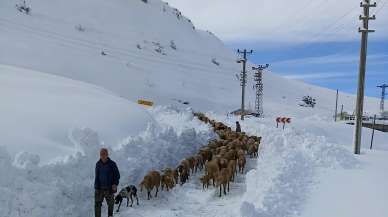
x,y
70,72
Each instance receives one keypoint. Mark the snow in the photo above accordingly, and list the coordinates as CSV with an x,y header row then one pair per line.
x,y
62,101
359,191
27,186
40,113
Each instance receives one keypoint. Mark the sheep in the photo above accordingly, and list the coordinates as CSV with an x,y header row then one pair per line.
x,y
183,173
221,134
240,153
151,181
172,173
206,154
241,164
199,162
205,179
231,155
253,150
232,169
184,176
222,163
192,163
219,126
212,169
167,181
223,179
185,165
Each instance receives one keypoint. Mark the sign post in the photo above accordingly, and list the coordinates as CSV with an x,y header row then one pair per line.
x,y
278,121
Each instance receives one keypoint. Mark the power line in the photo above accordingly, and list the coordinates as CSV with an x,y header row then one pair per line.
x,y
382,6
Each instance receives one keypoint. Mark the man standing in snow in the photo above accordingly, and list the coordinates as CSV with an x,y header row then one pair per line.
x,y
105,183
238,127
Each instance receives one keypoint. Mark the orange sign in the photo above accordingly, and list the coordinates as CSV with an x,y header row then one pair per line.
x,y
145,102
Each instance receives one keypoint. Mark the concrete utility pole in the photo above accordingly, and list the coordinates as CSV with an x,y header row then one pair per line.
x,y
259,106
336,107
243,78
366,5
382,96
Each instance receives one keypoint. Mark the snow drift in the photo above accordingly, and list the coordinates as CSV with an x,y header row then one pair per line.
x,y
40,113
65,188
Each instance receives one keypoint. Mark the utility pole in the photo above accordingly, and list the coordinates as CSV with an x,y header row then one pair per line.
x,y
243,78
382,96
336,107
366,5
342,112
259,89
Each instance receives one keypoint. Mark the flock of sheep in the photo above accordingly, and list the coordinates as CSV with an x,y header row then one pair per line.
x,y
221,161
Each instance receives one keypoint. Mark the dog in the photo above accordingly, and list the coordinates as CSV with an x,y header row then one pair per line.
x,y
128,192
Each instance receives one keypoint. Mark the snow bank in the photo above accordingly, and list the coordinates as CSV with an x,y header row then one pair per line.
x,y
66,189
287,167
39,113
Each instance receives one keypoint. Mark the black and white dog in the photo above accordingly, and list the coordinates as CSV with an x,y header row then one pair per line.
x,y
127,192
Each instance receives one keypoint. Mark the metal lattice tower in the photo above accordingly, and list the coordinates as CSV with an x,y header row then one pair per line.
x,y
382,96
258,77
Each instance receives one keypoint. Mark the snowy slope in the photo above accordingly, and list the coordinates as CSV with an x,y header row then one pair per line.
x,y
40,114
118,28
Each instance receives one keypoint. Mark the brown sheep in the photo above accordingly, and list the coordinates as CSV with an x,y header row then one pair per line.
x,y
231,155
184,173
222,163
184,176
212,170
151,181
185,165
223,179
199,162
253,150
192,163
167,181
206,154
232,169
205,181
241,164
173,174
240,153
221,134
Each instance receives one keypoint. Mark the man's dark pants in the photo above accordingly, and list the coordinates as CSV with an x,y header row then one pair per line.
x,y
99,198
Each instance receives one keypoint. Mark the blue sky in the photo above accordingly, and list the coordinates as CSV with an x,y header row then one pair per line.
x,y
311,40
328,64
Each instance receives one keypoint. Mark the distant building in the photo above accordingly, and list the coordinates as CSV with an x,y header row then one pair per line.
x,y
344,116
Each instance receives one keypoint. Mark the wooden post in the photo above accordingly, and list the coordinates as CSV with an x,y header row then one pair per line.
x,y
336,107
373,132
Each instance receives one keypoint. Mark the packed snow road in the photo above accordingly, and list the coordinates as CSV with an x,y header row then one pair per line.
x,y
191,200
